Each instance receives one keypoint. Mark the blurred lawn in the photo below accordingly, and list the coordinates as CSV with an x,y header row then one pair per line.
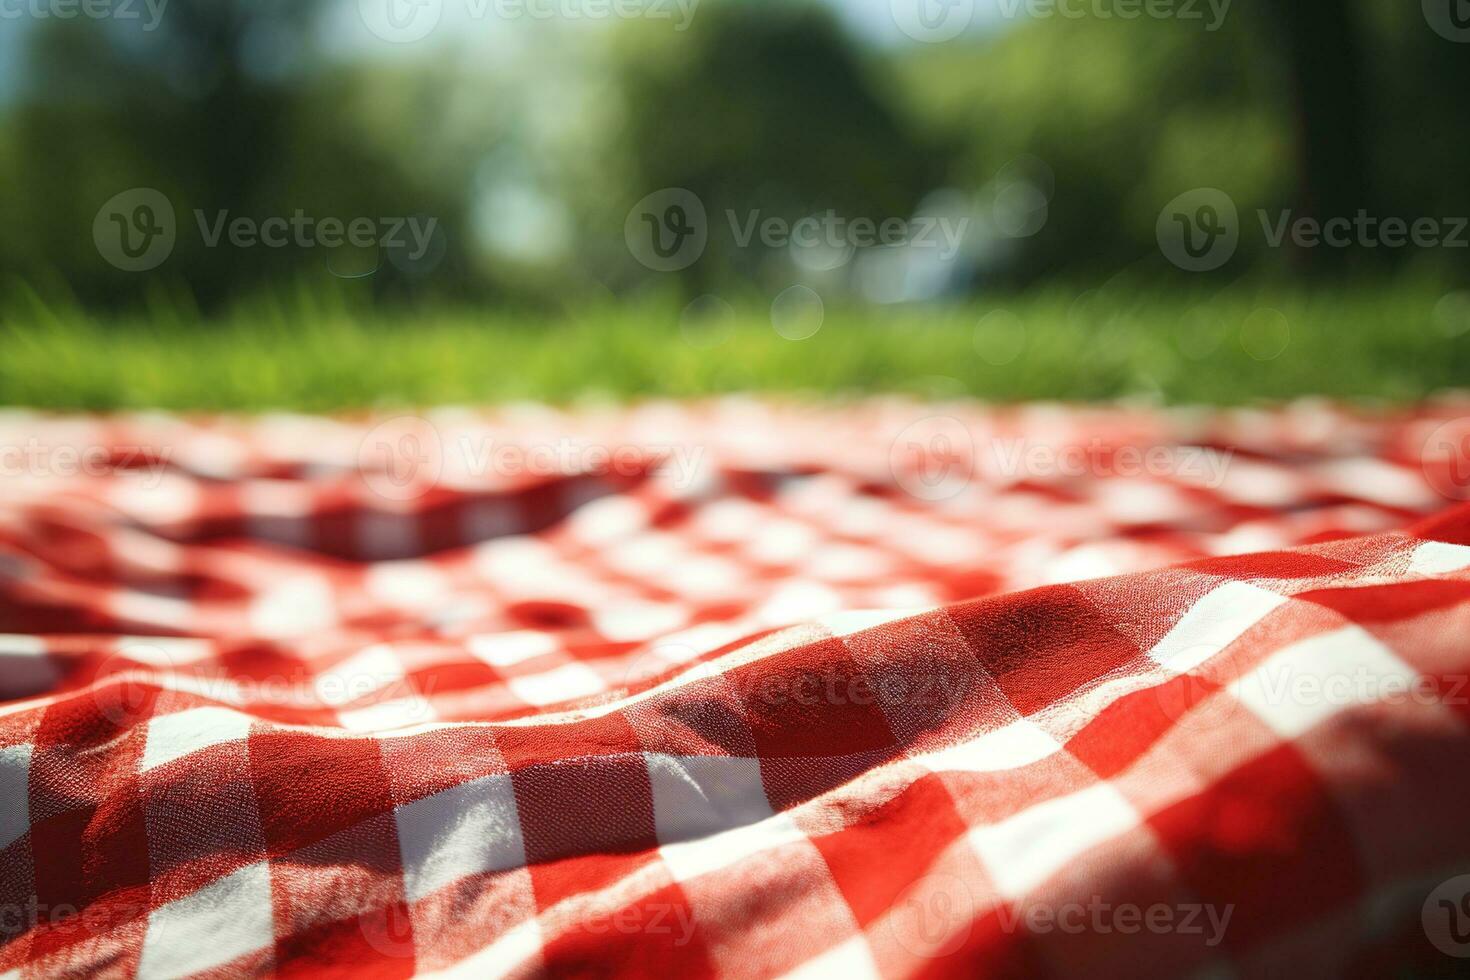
x,y
314,352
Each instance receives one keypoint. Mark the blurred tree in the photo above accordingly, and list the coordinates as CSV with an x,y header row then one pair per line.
x,y
1419,123
1324,54
1323,109
765,109
531,158
1124,115
223,108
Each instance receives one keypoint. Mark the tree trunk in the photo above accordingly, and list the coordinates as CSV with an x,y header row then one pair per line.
x,y
1322,44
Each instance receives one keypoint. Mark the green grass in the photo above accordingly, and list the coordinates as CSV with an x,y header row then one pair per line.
x,y
1369,342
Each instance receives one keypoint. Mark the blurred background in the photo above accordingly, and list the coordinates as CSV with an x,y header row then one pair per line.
x,y
1009,198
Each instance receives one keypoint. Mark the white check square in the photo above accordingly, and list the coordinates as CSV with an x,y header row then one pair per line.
x,y
1439,558
694,796
15,772
1213,623
369,670
219,923
689,859
1304,684
174,736
461,831
1025,850
564,683
1018,744
509,649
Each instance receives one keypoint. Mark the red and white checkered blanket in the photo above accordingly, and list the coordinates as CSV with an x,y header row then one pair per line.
x,y
736,688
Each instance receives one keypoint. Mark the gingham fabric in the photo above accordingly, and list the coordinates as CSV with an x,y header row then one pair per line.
x,y
738,689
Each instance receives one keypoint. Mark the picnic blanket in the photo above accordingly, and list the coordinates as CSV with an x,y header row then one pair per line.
x,y
736,688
